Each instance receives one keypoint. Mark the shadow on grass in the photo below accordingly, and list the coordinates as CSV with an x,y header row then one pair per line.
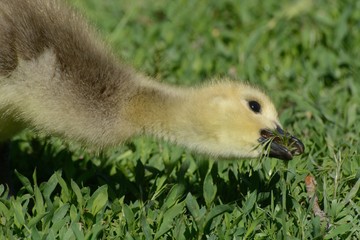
x,y
138,181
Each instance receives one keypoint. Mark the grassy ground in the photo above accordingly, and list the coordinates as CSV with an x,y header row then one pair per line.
x,y
304,53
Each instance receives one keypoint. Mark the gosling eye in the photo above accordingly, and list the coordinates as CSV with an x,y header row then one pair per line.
x,y
255,106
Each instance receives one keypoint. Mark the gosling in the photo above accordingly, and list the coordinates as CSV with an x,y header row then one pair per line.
x,y
58,78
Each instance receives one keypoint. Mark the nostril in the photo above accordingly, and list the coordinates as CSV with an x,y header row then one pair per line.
x,y
265,133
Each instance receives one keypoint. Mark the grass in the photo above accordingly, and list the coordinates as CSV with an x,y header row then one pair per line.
x,y
304,53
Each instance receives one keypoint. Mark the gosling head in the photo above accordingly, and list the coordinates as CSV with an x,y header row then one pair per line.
x,y
237,120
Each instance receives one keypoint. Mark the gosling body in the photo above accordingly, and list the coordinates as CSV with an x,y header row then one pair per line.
x,y
57,77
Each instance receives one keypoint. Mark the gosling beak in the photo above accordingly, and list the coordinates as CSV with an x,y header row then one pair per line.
x,y
282,144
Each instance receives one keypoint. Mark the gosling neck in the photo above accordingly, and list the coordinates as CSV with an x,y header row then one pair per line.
x,y
160,110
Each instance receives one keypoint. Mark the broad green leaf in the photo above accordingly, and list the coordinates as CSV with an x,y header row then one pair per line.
x,y
339,230
209,190
168,219
39,201
78,193
25,182
98,200
4,211
128,214
36,219
193,206
94,232
74,213
60,224
60,213
35,235
175,193
50,186
145,227
252,226
250,202
68,235
76,228
353,192
65,193
19,217
216,211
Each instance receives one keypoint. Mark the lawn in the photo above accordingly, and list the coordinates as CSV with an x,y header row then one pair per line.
x,y
305,54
